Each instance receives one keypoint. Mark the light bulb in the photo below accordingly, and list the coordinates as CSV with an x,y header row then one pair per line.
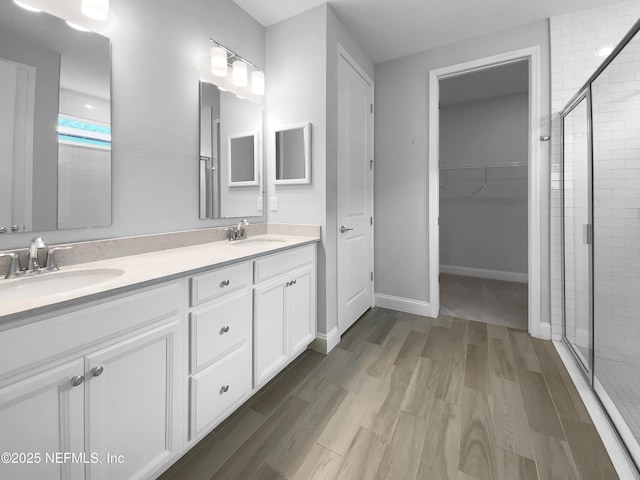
x,y
257,82
239,73
219,61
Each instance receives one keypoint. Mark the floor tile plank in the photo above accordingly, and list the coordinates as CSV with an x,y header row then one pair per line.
x,y
363,459
405,449
501,359
541,412
439,457
509,418
408,355
476,372
477,444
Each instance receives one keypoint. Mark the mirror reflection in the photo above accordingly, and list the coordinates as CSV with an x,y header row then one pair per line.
x,y
293,155
230,155
55,135
242,160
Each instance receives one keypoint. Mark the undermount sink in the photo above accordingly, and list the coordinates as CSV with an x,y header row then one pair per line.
x,y
259,241
54,283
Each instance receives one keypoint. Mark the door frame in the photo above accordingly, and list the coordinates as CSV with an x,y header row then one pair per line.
x,y
535,177
342,52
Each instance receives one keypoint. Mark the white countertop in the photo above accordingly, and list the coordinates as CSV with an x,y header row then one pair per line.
x,y
145,270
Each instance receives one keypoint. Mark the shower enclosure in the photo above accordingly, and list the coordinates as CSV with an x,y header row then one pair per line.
x,y
601,235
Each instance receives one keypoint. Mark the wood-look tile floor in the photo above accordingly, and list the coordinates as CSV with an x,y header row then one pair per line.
x,y
409,397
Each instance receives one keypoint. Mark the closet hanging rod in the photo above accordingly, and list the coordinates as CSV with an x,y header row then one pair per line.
x,y
486,165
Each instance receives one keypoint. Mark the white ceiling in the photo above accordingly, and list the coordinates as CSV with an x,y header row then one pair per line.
x,y
388,29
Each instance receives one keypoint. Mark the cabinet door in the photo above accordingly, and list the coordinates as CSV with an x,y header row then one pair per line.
x,y
302,313
270,350
134,402
44,415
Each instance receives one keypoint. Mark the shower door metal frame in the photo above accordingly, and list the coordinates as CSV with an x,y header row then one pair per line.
x,y
585,92
583,95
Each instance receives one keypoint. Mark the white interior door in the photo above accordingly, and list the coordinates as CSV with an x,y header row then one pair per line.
x,y
355,192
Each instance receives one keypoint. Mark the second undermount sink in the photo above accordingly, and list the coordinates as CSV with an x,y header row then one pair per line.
x,y
259,241
54,283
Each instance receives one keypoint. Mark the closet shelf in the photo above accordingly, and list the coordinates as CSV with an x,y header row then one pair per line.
x,y
485,165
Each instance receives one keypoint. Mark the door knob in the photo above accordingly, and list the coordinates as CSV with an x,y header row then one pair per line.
x,y
344,229
97,371
77,380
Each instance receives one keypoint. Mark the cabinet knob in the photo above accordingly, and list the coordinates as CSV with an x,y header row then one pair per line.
x,y
77,380
294,282
97,371
224,330
224,283
224,389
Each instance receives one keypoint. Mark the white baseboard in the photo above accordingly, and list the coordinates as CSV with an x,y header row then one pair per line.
x,y
324,343
543,331
483,273
407,305
621,461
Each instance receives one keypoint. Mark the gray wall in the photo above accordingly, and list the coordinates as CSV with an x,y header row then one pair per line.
x,y
302,87
155,50
401,151
489,229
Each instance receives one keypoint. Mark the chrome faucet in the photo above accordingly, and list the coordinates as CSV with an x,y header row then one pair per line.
x,y
239,232
33,265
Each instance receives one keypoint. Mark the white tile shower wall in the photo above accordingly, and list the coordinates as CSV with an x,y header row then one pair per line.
x,y
575,41
616,185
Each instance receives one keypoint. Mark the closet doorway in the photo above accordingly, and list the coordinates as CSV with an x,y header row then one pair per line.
x,y
482,191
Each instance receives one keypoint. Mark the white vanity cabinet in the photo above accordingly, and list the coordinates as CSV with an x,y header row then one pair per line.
x,y
120,388
220,345
284,310
32,424
101,383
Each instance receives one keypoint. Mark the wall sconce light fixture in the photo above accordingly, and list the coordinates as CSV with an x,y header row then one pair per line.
x,y
222,58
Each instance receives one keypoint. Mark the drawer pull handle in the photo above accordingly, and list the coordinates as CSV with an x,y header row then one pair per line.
x,y
224,330
224,389
224,283
77,380
97,371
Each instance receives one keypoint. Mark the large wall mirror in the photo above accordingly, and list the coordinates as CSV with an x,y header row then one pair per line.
x,y
55,124
230,155
293,155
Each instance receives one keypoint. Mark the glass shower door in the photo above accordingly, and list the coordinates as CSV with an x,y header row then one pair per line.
x,y
577,232
616,254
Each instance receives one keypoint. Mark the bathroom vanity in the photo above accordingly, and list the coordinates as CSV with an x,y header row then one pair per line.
x,y
119,379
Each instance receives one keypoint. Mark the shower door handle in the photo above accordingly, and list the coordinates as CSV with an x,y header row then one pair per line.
x,y
587,233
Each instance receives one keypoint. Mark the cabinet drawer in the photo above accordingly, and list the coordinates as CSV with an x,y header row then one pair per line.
x,y
211,285
219,387
274,265
219,327
53,337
